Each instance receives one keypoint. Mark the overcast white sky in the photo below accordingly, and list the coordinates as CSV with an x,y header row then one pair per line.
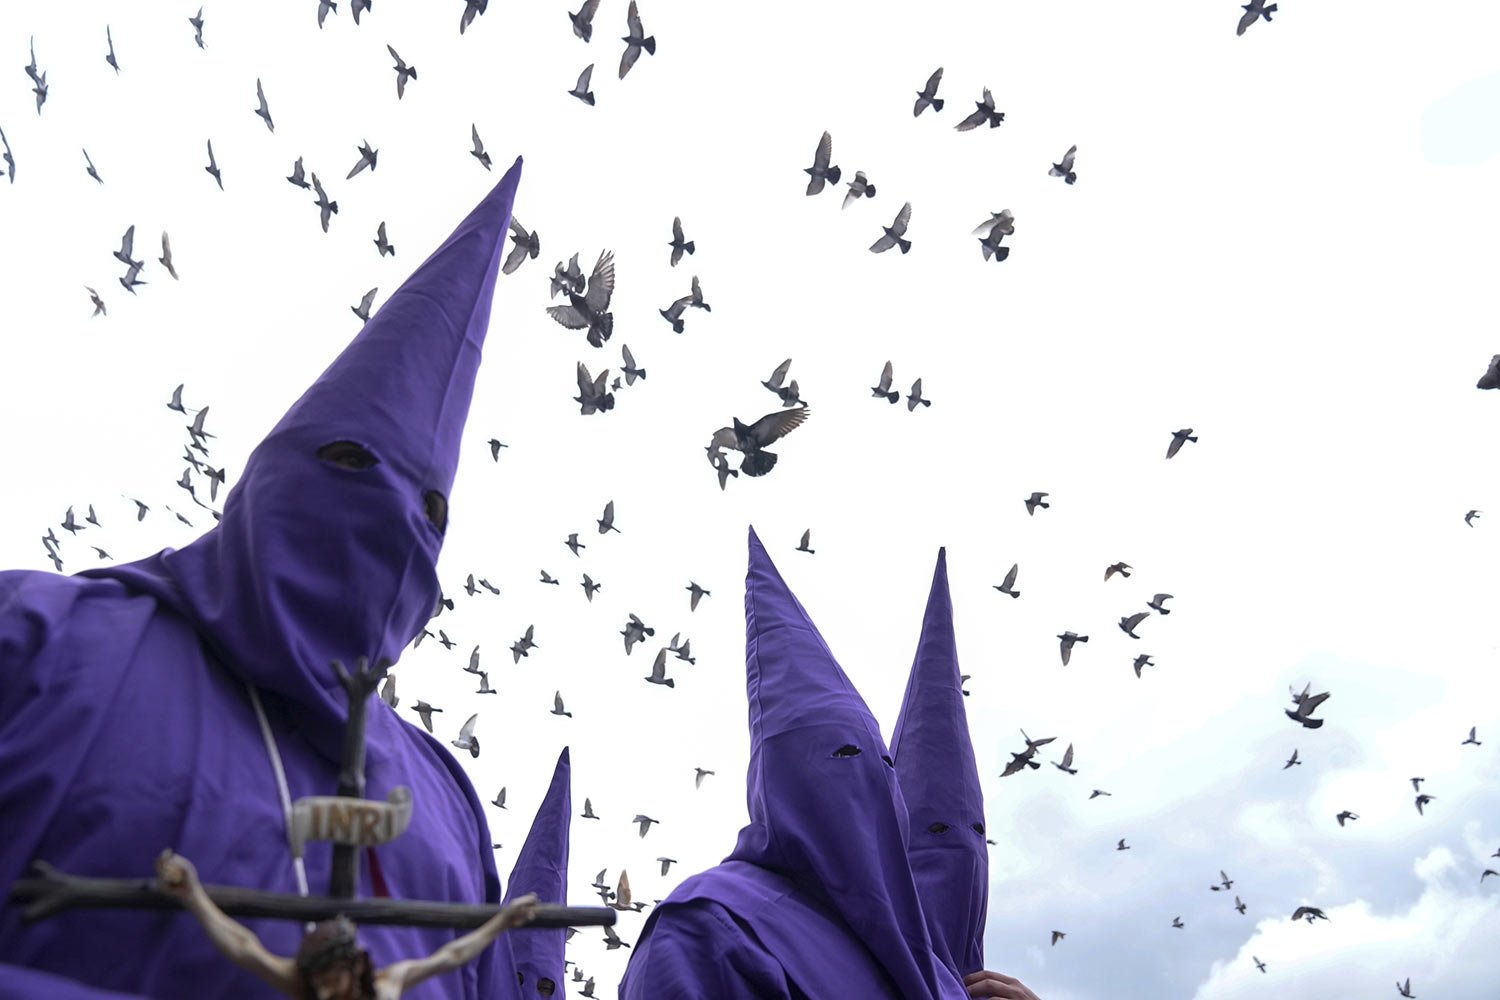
x,y
1271,241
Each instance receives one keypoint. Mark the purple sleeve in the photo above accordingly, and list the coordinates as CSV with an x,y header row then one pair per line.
x,y
17,983
698,951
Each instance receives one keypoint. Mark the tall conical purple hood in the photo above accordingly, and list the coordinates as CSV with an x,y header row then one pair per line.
x,y
940,782
825,808
542,868
328,544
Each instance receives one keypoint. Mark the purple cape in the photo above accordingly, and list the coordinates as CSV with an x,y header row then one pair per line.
x,y
542,868
126,725
940,782
817,899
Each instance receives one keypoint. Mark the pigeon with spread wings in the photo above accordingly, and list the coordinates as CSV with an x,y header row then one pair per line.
x,y
525,244
590,311
635,41
984,111
927,96
822,171
751,440
894,233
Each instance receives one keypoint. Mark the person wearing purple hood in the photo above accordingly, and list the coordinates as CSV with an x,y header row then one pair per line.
x,y
184,700
542,868
939,781
818,900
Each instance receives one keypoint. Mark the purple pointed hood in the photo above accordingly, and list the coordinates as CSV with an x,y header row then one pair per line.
x,y
940,782
328,544
825,808
542,868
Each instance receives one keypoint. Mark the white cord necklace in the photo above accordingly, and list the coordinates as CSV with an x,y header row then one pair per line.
x,y
274,753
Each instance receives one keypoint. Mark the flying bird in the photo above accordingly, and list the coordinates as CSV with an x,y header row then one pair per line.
x,y
1067,761
1258,963
915,397
680,245
1405,988
1291,761
1239,905
499,800
629,368
466,738
110,58
1178,437
1422,800
802,546
590,311
557,709
197,22
658,675
574,544
893,235
787,392
927,97
356,6
89,169
213,166
1307,703
298,177
523,244
10,160
698,775
1007,586
1471,738
1254,10
472,9
607,522
984,111
859,188
99,309
165,260
698,593
324,6
1036,500
1470,516
1177,922
263,110
363,309
821,171
478,151
425,711
583,21
593,395
403,71
388,691
1345,816
1065,168
1058,936
1157,604
1122,846
581,88
1067,640
1120,567
1129,623
384,246
367,157
1308,913
884,388
635,41
589,587
1141,662
751,440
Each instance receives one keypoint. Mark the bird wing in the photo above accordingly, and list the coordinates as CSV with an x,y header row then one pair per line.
x,y
514,259
1068,756
903,218
779,375
632,20
585,380
774,426
568,317
478,145
127,242
824,154
1309,705
806,538
628,57
659,668
467,732
883,244
557,702
885,378
936,78
676,229
1010,578
583,79
601,283
587,11
629,358
974,120
400,63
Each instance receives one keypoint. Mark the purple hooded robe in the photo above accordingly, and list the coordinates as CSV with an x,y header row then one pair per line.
x,y
126,724
817,899
542,868
940,782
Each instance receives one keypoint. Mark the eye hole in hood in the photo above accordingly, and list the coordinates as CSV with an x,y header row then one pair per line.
x,y
847,750
347,455
435,505
979,829
938,827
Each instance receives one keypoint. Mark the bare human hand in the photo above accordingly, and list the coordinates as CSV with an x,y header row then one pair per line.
x,y
996,984
175,875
